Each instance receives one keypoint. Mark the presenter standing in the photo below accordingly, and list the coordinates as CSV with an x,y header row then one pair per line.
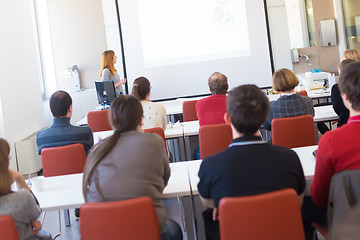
x,y
108,71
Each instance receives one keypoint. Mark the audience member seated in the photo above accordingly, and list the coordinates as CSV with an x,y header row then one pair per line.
x,y
291,103
336,99
62,133
154,113
211,110
249,166
352,54
21,205
338,150
108,71
129,164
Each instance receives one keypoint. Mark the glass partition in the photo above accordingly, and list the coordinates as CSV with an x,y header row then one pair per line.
x,y
310,22
351,10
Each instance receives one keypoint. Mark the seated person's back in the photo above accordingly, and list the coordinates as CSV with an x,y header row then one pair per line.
x,y
154,113
249,166
129,164
338,151
211,110
336,99
291,103
62,133
20,205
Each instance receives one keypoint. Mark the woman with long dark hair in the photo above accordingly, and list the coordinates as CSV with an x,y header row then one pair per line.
x,y
129,164
20,205
154,113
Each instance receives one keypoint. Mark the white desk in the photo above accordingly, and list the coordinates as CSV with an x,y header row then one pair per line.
x,y
175,106
64,192
307,159
169,134
325,114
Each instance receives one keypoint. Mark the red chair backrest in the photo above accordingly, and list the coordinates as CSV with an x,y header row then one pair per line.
x,y
129,219
189,111
303,93
214,139
160,132
293,131
98,121
8,229
69,159
274,215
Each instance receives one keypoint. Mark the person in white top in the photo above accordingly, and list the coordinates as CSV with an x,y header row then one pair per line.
x,y
154,113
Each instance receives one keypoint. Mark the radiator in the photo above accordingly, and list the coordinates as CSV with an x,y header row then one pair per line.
x,y
27,158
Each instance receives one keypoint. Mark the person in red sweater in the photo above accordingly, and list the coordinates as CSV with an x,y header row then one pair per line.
x,y
211,110
339,149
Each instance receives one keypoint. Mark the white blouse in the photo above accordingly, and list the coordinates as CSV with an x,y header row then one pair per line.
x,y
154,115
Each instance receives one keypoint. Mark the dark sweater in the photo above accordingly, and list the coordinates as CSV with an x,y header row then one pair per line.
x,y
62,133
339,106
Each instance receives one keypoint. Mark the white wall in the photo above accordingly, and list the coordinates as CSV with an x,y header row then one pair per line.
x,y
112,32
296,16
279,32
78,37
20,92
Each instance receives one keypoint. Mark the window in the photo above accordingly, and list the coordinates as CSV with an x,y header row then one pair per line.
x,y
45,52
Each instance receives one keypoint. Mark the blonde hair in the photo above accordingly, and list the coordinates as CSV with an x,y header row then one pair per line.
x,y
107,61
352,54
5,177
284,80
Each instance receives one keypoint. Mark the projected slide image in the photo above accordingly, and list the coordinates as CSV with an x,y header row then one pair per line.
x,y
183,31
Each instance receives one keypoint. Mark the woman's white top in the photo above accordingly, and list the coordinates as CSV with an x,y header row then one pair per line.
x,y
154,115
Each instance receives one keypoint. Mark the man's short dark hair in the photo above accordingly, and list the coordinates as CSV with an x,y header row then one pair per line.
x,y
218,83
349,83
248,108
60,103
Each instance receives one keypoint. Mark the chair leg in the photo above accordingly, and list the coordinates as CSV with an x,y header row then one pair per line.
x,y
57,235
181,209
67,217
42,218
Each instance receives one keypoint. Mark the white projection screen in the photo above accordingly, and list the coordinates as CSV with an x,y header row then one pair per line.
x,y
178,44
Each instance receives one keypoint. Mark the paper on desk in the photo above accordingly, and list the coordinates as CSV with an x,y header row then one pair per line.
x,y
175,125
317,91
326,110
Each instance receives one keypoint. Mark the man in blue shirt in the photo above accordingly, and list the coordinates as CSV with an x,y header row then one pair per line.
x,y
62,133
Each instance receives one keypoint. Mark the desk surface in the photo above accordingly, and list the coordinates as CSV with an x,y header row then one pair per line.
x,y
63,192
169,133
322,114
175,106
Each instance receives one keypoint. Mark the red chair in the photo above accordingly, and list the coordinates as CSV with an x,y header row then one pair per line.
x,y
274,215
69,159
57,161
134,219
214,139
293,131
98,121
303,93
160,132
8,229
189,111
